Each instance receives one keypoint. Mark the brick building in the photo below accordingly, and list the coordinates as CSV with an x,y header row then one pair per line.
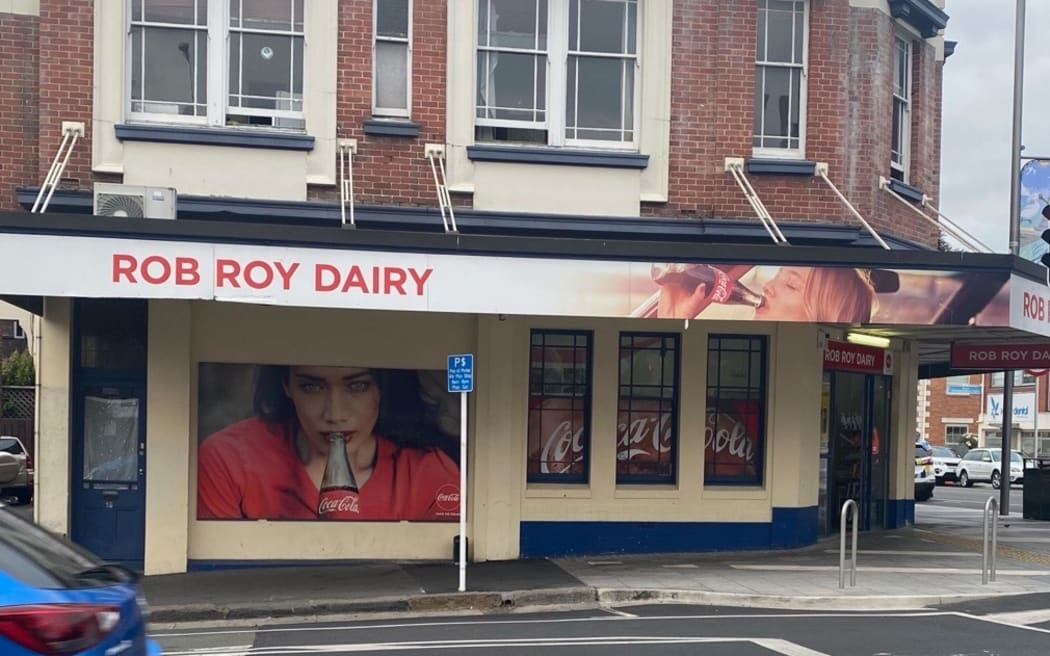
x,y
950,408
257,245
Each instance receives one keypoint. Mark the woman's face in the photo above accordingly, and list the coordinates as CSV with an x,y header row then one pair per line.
x,y
785,296
333,400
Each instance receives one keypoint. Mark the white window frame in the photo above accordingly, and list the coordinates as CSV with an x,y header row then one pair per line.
x,y
217,84
18,332
900,169
949,427
789,153
394,112
557,77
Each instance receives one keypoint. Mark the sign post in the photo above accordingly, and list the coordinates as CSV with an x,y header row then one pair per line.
x,y
461,379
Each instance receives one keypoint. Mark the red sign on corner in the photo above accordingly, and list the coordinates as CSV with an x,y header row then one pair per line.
x,y
1000,356
845,356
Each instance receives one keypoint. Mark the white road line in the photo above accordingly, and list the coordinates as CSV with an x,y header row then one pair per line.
x,y
682,566
991,619
897,570
1023,617
620,613
779,646
562,620
599,563
905,552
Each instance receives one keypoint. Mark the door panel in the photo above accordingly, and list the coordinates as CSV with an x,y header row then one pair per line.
x,y
109,470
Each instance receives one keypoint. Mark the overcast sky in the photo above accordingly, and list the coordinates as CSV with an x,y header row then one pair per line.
x,y
978,90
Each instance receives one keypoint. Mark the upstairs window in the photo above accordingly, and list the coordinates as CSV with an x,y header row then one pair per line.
x,y
392,56
780,77
557,72
900,145
255,78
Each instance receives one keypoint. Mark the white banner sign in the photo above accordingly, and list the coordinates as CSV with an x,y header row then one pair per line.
x,y
1029,306
1023,406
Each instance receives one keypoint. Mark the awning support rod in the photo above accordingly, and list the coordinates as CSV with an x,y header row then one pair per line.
x,y
735,167
436,155
347,151
945,224
822,172
71,131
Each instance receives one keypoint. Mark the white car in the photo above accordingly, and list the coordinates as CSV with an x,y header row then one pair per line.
x,y
16,470
945,462
982,465
924,478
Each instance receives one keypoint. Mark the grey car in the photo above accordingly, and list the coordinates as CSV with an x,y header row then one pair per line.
x,y
16,470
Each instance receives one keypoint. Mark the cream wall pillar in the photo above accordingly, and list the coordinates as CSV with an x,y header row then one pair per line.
x,y
903,420
496,466
53,443
795,375
168,436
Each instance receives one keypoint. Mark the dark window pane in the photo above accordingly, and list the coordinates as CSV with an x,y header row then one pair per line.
x,y
647,425
734,433
601,26
559,406
392,18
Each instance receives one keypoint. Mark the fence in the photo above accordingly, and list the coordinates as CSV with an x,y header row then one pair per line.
x,y
17,405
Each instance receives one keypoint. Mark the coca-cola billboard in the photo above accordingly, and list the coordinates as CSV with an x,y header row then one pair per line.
x,y
266,433
645,440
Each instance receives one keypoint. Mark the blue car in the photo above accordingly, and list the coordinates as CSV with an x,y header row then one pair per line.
x,y
57,599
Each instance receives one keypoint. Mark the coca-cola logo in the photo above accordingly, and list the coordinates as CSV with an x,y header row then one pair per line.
x,y
721,287
447,498
646,436
562,448
726,434
343,503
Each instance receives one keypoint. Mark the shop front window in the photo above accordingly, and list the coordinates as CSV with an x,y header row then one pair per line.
x,y
647,425
559,422
735,428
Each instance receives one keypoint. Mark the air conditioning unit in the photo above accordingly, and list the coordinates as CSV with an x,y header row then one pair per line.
x,y
134,201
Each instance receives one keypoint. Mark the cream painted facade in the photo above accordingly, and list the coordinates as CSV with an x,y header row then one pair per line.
x,y
182,334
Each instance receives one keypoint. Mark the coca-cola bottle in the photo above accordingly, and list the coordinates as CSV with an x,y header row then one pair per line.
x,y
339,498
721,287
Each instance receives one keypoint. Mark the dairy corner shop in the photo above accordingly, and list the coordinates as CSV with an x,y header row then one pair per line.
x,y
143,321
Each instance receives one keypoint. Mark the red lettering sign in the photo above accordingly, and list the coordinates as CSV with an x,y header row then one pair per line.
x,y
845,356
1001,356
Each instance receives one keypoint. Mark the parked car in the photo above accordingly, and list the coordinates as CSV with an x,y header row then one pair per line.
x,y
56,598
16,470
982,465
924,478
944,464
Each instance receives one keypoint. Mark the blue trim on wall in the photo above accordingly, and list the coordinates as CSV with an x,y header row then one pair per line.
x,y
210,565
781,167
247,138
914,194
923,15
901,513
563,156
391,128
793,527
949,48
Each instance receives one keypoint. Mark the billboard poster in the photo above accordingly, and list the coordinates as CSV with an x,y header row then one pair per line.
x,y
1035,195
439,282
266,435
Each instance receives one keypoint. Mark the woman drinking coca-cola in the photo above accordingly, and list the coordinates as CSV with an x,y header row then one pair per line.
x,y
280,464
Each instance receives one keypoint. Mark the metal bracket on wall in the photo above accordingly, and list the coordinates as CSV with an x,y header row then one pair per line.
x,y
347,151
822,172
946,224
71,131
735,167
435,154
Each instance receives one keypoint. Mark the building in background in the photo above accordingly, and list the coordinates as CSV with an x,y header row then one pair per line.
x,y
278,219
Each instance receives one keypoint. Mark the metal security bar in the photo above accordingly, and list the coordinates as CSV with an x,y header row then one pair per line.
x,y
849,505
991,513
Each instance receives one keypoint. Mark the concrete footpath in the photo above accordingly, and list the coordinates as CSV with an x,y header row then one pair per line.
x,y
901,569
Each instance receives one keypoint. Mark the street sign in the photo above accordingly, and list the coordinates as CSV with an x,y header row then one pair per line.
x,y
461,373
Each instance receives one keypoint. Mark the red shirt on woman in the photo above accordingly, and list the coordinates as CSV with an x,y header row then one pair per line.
x,y
250,470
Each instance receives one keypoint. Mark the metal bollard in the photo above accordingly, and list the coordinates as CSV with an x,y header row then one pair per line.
x,y
991,512
850,503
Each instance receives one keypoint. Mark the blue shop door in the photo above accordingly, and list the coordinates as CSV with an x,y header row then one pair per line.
x,y
109,471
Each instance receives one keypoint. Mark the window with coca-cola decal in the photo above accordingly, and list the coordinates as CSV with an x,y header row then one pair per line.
x,y
271,437
647,425
559,428
735,426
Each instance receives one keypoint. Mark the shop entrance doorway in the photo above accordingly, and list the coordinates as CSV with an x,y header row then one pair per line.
x,y
855,445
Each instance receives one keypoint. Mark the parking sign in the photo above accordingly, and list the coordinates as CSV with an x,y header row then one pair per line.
x,y
461,373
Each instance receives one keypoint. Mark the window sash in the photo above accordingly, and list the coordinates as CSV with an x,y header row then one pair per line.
x,y
212,75
647,421
735,421
554,114
403,110
559,415
789,139
900,142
